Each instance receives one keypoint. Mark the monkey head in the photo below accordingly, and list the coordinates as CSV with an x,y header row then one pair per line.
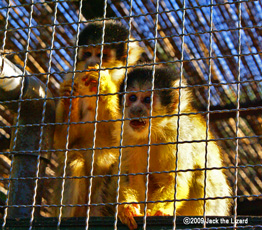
x,y
165,98
114,50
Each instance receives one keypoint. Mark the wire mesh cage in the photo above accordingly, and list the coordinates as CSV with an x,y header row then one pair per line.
x,y
73,104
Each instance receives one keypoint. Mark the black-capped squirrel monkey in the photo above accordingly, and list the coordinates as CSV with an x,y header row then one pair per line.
x,y
165,154
114,58
83,109
115,50
79,162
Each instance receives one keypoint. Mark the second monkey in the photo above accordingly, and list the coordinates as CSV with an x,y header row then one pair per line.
x,y
177,170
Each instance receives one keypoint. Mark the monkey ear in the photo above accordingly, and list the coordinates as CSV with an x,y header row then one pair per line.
x,y
134,52
185,93
176,82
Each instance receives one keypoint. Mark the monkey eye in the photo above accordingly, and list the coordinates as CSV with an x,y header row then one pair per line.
x,y
104,55
87,54
132,98
147,100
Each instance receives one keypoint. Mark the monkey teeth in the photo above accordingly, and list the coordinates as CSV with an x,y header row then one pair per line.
x,y
138,123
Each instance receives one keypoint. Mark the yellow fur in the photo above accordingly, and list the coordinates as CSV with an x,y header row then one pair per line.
x,y
164,157
189,185
81,136
83,110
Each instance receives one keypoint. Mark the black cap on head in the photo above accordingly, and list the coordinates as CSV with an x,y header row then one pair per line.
x,y
164,78
114,32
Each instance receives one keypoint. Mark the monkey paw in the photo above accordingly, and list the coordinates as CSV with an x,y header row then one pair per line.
x,y
126,214
66,88
66,91
148,212
89,81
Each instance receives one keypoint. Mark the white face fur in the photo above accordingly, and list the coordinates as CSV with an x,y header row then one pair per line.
x,y
90,56
137,106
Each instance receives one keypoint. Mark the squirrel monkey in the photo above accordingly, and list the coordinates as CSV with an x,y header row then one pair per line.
x,y
83,110
114,51
82,136
165,155
114,57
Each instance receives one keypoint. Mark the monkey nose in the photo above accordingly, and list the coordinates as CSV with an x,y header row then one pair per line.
x,y
139,112
91,64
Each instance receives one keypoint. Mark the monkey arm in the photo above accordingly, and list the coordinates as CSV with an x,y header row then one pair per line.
x,y
110,102
64,103
83,109
108,106
62,112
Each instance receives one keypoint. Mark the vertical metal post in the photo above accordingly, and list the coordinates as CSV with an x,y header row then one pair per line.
x,y
21,190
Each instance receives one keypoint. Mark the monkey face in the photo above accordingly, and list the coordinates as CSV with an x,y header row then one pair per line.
x,y
138,108
90,56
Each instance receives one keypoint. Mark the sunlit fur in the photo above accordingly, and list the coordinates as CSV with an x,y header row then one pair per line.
x,y
83,110
167,157
81,136
114,51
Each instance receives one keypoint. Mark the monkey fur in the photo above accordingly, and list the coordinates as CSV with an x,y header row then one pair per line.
x,y
79,162
83,110
182,157
114,51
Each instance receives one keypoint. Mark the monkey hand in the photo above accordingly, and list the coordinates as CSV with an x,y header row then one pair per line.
x,y
148,212
88,83
126,214
66,90
62,110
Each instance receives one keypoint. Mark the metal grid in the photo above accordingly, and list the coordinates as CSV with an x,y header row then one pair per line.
x,y
216,45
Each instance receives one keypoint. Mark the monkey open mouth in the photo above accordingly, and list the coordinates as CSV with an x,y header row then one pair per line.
x,y
138,123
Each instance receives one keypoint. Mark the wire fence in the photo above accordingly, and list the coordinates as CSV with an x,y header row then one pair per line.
x,y
94,165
